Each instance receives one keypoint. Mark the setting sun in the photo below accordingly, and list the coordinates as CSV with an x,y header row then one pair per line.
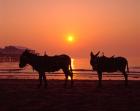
x,y
70,38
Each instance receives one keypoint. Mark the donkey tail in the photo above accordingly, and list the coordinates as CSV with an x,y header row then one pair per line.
x,y
71,68
71,73
127,67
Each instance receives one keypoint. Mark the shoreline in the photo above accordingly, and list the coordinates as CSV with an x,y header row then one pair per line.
x,y
77,76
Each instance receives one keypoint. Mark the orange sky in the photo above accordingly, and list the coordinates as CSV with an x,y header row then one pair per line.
x,y
112,26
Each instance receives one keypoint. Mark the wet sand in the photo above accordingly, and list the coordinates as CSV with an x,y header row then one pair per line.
x,y
23,95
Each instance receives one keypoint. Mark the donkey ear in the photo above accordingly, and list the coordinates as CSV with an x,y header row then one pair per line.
x,y
97,53
26,51
91,53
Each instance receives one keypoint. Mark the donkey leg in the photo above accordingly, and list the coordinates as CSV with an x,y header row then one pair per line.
x,y
45,80
100,79
66,77
40,80
66,80
71,75
126,78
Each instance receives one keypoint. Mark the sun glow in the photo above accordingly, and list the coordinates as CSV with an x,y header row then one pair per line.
x,y
70,38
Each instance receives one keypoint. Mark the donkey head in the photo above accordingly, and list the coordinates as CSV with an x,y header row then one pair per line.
x,y
94,59
92,55
24,58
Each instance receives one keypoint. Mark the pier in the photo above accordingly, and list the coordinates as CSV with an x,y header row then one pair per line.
x,y
9,58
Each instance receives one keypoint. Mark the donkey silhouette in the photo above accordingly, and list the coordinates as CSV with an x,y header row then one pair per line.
x,y
108,64
47,63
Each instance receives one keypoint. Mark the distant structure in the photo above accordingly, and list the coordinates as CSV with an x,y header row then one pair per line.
x,y
10,53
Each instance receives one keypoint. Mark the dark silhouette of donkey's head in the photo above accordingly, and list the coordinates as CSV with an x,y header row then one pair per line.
x,y
24,58
94,58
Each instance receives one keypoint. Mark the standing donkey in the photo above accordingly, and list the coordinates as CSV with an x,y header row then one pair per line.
x,y
47,63
108,64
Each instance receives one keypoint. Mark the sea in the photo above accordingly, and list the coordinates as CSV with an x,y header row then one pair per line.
x,y
81,69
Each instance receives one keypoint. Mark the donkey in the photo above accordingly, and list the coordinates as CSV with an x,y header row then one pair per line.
x,y
47,63
108,64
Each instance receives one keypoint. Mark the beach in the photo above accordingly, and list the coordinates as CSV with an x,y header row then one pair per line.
x,y
23,95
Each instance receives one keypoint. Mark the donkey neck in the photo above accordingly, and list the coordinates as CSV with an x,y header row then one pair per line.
x,y
33,60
